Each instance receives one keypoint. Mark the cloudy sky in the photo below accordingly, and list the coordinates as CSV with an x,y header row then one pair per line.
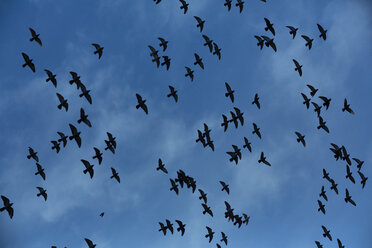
x,y
281,199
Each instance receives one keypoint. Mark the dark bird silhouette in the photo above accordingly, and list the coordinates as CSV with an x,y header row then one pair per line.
x,y
200,24
75,79
217,50
203,196
88,168
337,151
317,108
349,174
323,193
190,73
326,233
162,228
225,123
345,155
7,206
157,1
28,62
181,227
347,107
174,186
201,138
306,100
90,243
84,118
318,244
247,144
322,124
173,93
334,186
98,50
234,119
210,233
208,42
163,43
230,92
301,138
55,146
240,4
109,146
326,101
312,89
237,151
293,31
298,67
323,33
246,219
256,101
198,61
141,103
86,94
169,225
269,26
115,175
359,163
228,4
32,154
363,178
207,209
225,187
62,102
263,159
98,155
161,167
238,220
75,135
42,192
111,139
185,6
51,77
256,130
321,207
40,171
35,37
348,198
166,62
309,42
154,52
102,214
224,238
260,41
239,115
63,138
269,42
340,244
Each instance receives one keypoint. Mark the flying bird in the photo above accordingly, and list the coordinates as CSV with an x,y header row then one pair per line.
x,y
240,4
51,77
318,244
312,89
323,33
203,196
317,108
323,194
217,50
42,192
75,79
269,42
141,103
32,154
246,219
169,225
181,227
88,168
163,43
210,233
102,214
269,26
185,6
40,171
298,67
75,135
347,107
115,175
247,144
190,73
28,62
306,100
340,244
230,92
98,50
7,206
161,166
364,179
326,101
174,186
200,23
207,209
348,198
84,118
228,4
173,93
62,102
225,123
90,243
98,155
322,124
263,159
35,37
225,187
292,31
326,233
256,130
198,61
163,228
208,42
166,62
55,146
359,163
63,138
260,41
301,138
321,207
86,94
349,174
309,42
334,186
256,101
224,238
154,52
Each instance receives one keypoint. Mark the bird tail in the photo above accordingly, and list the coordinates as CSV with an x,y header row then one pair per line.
x,y
2,209
38,194
266,28
36,173
59,106
112,177
298,139
169,95
81,95
28,156
95,52
24,65
260,160
85,171
79,121
32,39
70,137
157,169
48,79
343,110
137,107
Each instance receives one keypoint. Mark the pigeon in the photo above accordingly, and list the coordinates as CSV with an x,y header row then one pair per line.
x,y
115,175
207,209
51,77
154,52
28,62
292,31
210,233
111,139
35,37
334,186
312,89
90,243
228,4
174,186
75,135
217,50
109,146
185,6
359,163
166,62
181,227
190,73
234,119
246,219
326,101
62,102
162,228
263,159
75,79
173,93
321,207
157,1
225,187
326,233
269,26
98,50
230,92
256,101
32,154
238,221
208,42
260,41
7,206
340,244
98,155
347,107
239,115
323,194
301,138
256,130
200,23
225,123
322,124
63,138
364,179
88,168
323,33
84,118
348,198
141,103
42,192
240,4
318,244
247,144
345,156
309,42
298,67
55,146
86,94
224,238
349,174
269,42
102,214
198,61
306,100
163,43
40,171
169,225
203,196
161,167
317,108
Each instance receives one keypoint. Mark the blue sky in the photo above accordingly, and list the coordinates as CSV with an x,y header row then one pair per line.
x,y
281,200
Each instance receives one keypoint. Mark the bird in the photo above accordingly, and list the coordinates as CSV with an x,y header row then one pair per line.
x,y
340,244
7,206
157,1
269,26
256,101
181,227
154,52
98,155
326,101
230,92
292,31
298,67
322,124
345,156
163,228
141,103
238,221
62,102
217,50
55,146
224,238
228,4
334,186
86,94
98,50
263,159
300,138
246,219
84,118
115,175
323,33
51,77
326,176
75,79
190,73
28,62
75,135
88,168
166,62
321,207
210,233
185,6
198,61
240,4
63,138
323,194
225,187
174,186
349,174
312,89
269,42
239,115
256,130
35,37
161,166
359,163
32,154
173,93
318,244
364,179
208,42
309,42
163,43
347,107
111,139
225,123
348,198
109,146
169,225
247,144
306,100
260,41
102,214
203,196
207,209
90,243
42,192
40,171
200,24
326,233
317,108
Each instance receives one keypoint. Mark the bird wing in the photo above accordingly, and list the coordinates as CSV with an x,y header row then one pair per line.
x,y
60,97
96,46
305,38
321,29
73,128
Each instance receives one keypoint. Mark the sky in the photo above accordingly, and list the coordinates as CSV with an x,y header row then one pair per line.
x,y
281,200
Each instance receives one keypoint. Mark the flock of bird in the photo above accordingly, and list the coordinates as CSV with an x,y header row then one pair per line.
x,y
203,136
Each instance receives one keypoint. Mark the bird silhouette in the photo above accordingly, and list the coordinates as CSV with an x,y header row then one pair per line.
x,y
88,168
141,104
28,62
35,37
99,50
